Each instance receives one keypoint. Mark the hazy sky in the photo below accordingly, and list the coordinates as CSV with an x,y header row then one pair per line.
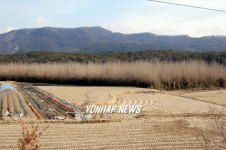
x,y
126,16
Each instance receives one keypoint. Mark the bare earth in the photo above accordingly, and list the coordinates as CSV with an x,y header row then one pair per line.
x,y
168,120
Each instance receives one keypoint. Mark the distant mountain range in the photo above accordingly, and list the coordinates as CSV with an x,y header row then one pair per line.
x,y
97,39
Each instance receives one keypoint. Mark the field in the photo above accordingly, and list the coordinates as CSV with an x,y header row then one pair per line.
x,y
153,101
15,104
168,120
135,134
216,96
31,102
88,94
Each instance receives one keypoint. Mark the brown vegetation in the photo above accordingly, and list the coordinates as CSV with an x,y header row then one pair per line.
x,y
153,133
167,75
218,125
31,134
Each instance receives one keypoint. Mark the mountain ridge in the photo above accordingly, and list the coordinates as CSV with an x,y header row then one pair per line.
x,y
98,39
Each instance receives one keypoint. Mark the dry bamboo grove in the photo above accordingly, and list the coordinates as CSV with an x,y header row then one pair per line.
x,y
167,75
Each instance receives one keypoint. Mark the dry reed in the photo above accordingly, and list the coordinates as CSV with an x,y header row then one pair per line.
x,y
168,75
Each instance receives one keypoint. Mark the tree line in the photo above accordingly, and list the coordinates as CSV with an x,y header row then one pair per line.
x,y
161,55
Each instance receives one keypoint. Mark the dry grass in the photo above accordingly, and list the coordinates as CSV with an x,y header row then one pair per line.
x,y
218,126
212,96
79,95
167,75
31,134
155,134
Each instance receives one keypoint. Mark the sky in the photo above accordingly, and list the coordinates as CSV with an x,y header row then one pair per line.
x,y
125,16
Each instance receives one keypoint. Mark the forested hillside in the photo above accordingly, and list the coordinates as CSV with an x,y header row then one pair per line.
x,y
97,39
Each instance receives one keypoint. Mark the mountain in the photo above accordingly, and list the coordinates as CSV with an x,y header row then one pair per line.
x,y
97,39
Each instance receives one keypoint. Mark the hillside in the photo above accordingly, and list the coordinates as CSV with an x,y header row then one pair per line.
x,y
97,39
